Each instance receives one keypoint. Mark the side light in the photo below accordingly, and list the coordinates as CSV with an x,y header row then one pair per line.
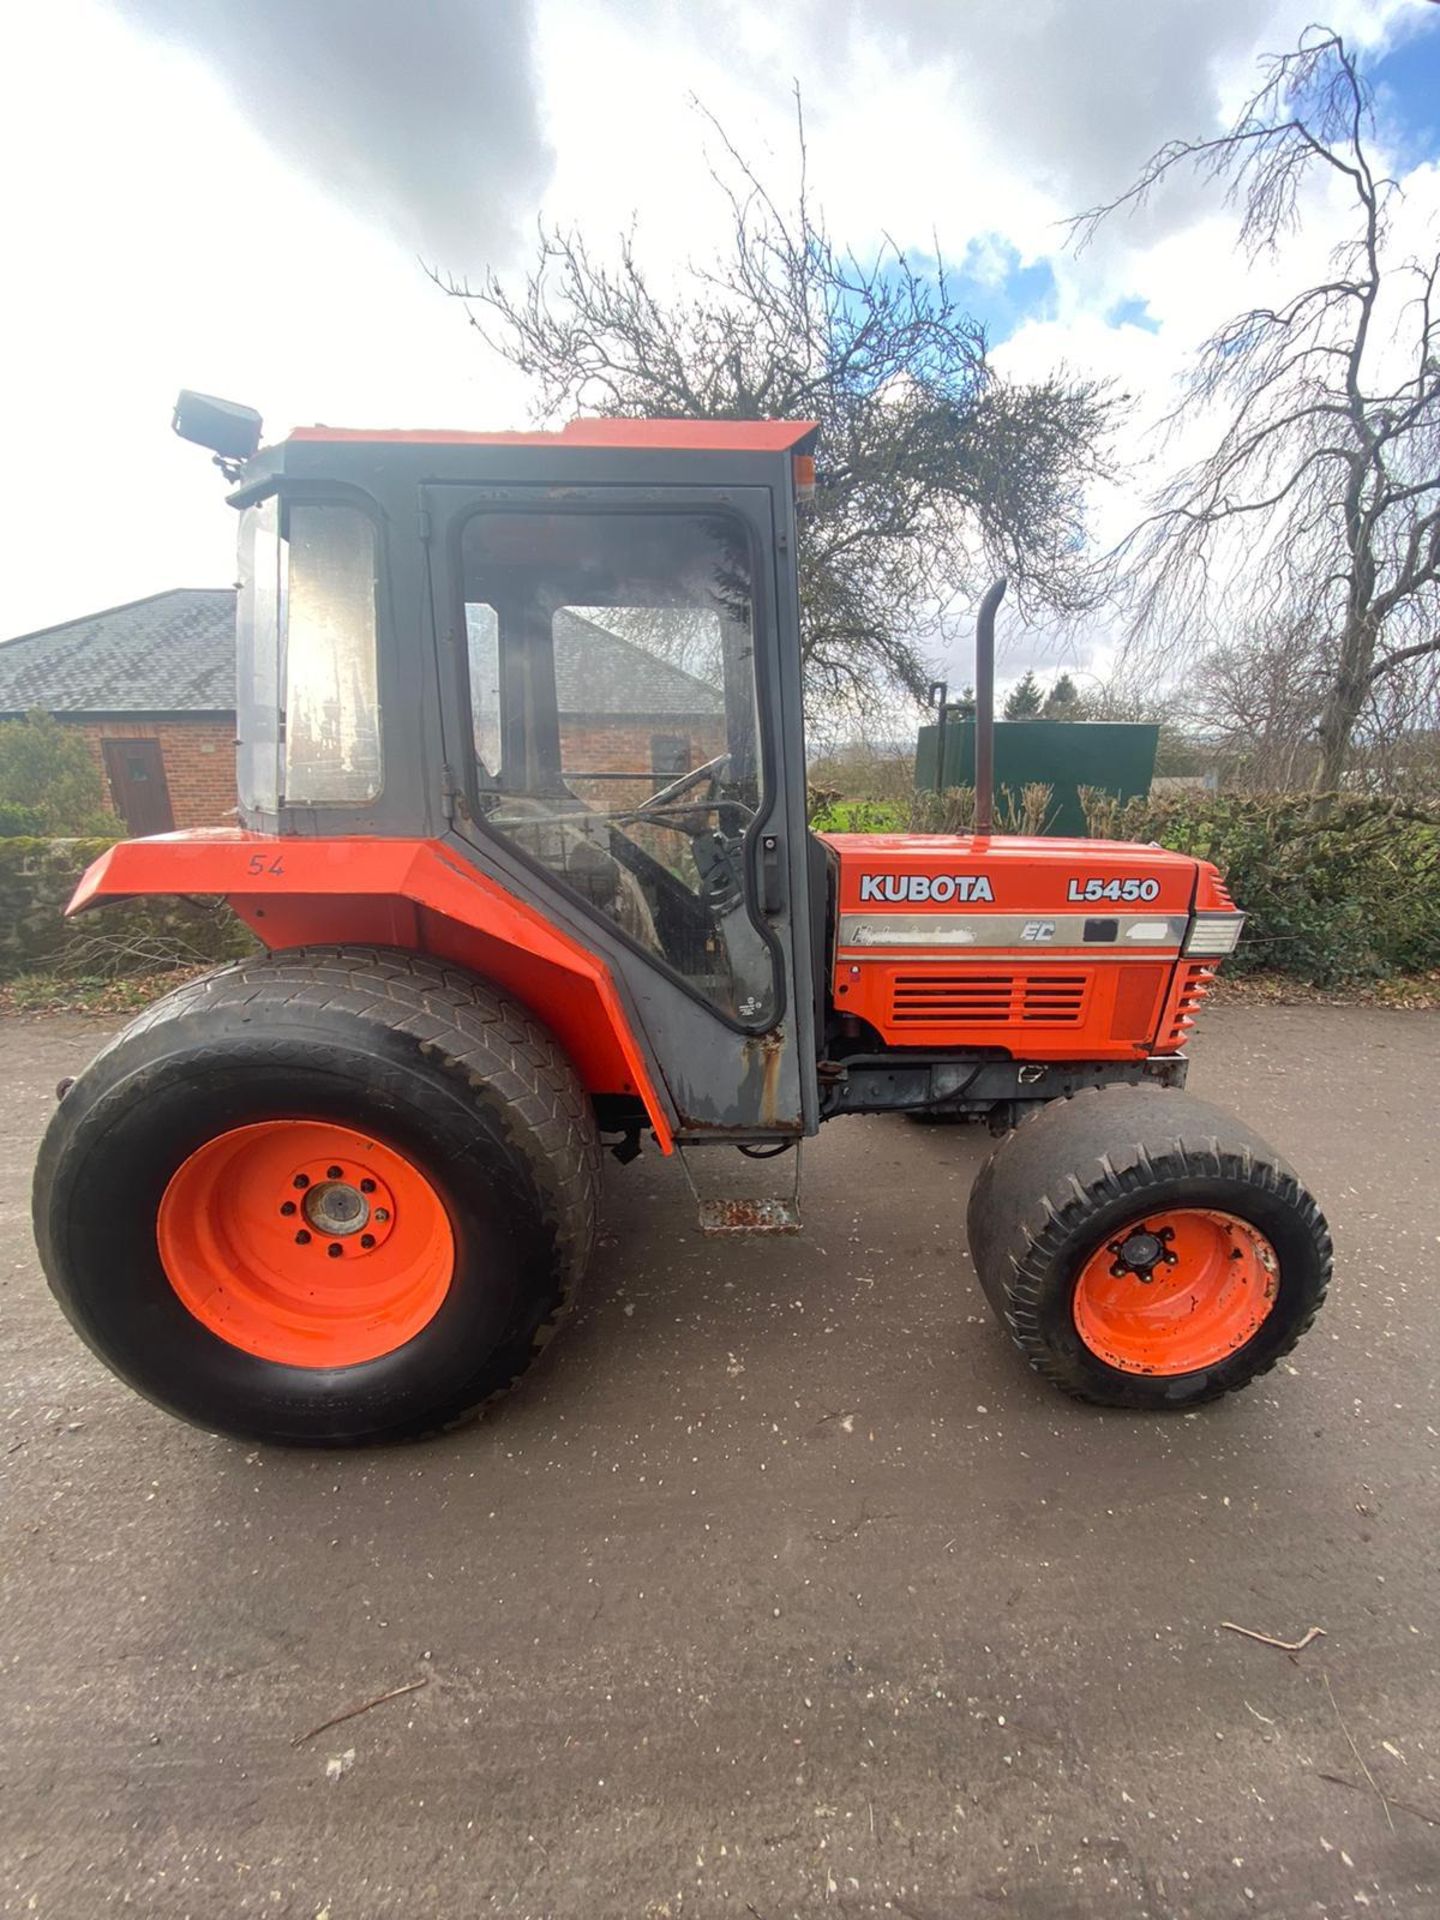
x,y
1214,934
803,467
1149,932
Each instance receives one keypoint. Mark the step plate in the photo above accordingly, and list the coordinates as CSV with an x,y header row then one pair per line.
x,y
739,1215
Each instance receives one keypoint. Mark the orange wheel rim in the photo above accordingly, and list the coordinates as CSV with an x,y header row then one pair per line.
x,y
1175,1291
304,1243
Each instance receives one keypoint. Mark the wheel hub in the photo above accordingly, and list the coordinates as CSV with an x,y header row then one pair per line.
x,y
342,1208
1141,1251
337,1207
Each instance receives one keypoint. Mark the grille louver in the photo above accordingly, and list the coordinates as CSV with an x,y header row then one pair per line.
x,y
989,999
1195,982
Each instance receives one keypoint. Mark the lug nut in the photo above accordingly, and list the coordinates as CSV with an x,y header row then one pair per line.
x,y
302,1238
367,1186
367,1239
334,1173
287,1206
382,1213
301,1180
334,1250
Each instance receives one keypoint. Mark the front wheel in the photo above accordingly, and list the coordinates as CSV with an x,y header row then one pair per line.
x,y
1145,1250
325,1198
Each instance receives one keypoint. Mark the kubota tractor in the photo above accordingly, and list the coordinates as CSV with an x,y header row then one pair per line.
x,y
522,830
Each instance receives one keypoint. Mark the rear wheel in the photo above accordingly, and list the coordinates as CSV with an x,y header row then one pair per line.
x,y
1144,1249
330,1197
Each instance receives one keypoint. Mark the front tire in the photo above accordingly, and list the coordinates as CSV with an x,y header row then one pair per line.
x,y
1144,1250
329,1197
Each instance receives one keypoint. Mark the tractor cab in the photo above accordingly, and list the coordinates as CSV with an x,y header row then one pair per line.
x,y
574,659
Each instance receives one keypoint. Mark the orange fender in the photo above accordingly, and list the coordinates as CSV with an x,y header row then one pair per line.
x,y
412,894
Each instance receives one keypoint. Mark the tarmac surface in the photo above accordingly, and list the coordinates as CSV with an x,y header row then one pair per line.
x,y
779,1588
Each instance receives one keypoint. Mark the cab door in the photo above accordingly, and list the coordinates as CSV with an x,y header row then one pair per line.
x,y
617,704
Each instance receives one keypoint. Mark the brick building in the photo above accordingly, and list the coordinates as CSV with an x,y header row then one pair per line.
x,y
151,685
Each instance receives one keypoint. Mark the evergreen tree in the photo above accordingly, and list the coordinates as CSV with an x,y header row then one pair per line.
x,y
1023,702
1063,701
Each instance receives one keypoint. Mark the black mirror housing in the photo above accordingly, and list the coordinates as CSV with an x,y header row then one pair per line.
x,y
224,426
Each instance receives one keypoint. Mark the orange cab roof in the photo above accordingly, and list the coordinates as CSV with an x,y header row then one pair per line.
x,y
696,436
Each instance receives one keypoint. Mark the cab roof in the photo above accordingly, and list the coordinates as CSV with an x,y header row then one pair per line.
x,y
695,436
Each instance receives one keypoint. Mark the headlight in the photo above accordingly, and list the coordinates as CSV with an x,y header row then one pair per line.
x,y
1213,934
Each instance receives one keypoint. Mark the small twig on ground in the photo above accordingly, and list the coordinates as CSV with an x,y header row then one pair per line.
x,y
1359,1758
1339,1780
410,1686
1269,1640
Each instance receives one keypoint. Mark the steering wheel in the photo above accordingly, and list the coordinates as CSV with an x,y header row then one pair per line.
x,y
681,786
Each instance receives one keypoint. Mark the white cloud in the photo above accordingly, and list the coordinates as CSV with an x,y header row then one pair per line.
x,y
175,229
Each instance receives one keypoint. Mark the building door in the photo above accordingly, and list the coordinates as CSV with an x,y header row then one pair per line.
x,y
136,772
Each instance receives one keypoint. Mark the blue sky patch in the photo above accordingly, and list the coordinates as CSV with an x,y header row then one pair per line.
x,y
1407,91
1132,311
1002,301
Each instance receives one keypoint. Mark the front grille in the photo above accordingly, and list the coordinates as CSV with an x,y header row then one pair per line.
x,y
988,999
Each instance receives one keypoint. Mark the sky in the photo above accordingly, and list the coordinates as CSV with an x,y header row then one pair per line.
x,y
243,198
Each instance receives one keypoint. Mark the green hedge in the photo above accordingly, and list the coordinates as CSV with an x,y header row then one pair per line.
x,y
37,878
1343,890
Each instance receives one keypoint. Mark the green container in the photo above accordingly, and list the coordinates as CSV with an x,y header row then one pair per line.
x,y
1064,755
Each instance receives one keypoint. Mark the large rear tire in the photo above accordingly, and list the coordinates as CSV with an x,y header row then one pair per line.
x,y
329,1197
1145,1250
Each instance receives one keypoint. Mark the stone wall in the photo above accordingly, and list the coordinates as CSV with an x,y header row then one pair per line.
x,y
37,878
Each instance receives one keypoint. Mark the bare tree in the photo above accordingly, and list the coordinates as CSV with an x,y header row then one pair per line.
x,y
933,471
1257,700
1318,506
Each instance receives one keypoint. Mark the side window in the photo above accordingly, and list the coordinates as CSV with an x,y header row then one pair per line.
x,y
257,657
613,707
332,692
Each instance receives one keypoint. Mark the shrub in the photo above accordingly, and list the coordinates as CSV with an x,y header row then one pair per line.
x,y
1340,890
49,782
16,820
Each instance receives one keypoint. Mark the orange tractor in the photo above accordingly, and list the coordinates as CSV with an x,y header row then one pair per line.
x,y
522,831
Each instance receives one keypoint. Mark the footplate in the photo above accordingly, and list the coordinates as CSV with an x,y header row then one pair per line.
x,y
737,1212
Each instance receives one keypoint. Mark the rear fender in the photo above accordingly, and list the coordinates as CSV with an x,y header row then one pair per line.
x,y
411,894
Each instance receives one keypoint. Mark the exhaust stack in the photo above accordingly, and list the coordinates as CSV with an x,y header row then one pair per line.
x,y
985,708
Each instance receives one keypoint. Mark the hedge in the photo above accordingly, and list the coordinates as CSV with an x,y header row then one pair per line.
x,y
37,878
1338,890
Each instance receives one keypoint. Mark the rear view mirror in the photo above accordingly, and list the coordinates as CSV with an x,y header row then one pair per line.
x,y
228,429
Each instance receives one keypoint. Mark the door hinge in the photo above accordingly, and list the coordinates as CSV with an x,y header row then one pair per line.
x,y
453,797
